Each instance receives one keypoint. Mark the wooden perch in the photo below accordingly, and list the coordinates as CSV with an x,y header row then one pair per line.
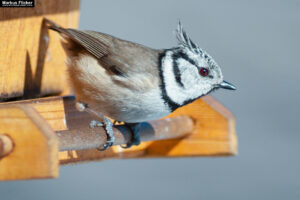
x,y
213,131
83,137
35,134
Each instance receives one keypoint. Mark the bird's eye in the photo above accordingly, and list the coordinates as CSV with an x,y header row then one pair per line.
x,y
203,71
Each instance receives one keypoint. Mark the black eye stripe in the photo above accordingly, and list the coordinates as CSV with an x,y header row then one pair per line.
x,y
180,54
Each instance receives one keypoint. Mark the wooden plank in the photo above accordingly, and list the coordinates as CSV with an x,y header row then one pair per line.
x,y
35,149
213,134
52,109
31,66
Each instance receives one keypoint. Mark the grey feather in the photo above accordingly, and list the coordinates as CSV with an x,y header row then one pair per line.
x,y
93,45
113,53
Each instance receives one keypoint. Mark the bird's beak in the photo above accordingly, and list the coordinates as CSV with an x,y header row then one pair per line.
x,y
227,85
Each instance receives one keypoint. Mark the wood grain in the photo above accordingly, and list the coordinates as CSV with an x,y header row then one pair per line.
x,y
31,58
35,149
51,108
74,133
213,133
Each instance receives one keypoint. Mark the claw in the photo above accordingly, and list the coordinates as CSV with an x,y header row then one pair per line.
x,y
135,129
107,124
104,147
95,123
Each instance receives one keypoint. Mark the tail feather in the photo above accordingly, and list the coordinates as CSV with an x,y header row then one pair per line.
x,y
76,40
53,26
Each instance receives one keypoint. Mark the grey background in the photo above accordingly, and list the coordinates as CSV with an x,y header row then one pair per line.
x,y
257,45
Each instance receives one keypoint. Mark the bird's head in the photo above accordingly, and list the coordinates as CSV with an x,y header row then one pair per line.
x,y
188,72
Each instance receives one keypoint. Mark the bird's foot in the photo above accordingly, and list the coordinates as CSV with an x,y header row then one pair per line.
x,y
95,123
108,126
135,129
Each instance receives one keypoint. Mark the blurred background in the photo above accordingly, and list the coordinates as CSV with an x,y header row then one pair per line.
x,y
257,45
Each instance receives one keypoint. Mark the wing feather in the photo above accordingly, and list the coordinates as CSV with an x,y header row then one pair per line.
x,y
93,45
119,56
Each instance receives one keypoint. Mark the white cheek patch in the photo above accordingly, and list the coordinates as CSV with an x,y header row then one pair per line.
x,y
175,92
189,74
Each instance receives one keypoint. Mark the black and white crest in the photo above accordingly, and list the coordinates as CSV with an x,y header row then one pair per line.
x,y
180,69
185,41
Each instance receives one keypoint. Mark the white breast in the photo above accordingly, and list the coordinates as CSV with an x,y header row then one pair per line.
x,y
143,107
97,88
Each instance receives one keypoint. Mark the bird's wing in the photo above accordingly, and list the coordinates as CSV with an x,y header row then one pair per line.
x,y
120,56
98,47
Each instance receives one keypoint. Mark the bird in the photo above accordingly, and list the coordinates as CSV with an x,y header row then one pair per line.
x,y
117,79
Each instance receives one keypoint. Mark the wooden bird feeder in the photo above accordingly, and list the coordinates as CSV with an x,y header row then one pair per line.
x,y
38,133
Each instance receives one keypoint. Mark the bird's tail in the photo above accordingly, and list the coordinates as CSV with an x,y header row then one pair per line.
x,y
53,26
68,42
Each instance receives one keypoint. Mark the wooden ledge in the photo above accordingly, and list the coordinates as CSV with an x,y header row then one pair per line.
x,y
202,128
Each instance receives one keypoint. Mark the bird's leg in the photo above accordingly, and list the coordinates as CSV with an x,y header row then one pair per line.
x,y
135,129
104,122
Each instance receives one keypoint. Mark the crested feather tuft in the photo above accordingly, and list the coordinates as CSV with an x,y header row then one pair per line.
x,y
185,41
